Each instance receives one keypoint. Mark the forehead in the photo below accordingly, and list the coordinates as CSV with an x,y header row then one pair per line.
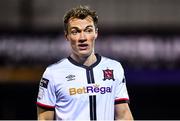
x,y
80,23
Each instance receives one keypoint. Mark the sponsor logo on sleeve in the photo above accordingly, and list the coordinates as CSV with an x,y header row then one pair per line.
x,y
44,83
124,80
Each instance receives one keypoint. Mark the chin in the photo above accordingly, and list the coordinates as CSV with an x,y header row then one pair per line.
x,y
85,54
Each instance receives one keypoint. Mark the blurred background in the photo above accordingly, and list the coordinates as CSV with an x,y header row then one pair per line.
x,y
144,35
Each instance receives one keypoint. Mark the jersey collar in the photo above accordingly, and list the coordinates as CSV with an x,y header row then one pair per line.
x,y
98,57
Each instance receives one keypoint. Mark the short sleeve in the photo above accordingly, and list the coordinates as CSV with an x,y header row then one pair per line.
x,y
121,94
46,95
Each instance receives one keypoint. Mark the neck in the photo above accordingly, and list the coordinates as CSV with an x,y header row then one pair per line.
x,y
87,60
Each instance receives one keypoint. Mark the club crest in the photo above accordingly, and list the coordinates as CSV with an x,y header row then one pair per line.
x,y
108,74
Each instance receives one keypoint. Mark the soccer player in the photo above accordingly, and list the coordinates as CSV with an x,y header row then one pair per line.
x,y
85,85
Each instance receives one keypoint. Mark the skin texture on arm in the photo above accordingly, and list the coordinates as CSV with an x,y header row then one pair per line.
x,y
122,112
44,114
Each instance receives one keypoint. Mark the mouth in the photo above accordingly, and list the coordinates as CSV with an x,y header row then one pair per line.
x,y
83,46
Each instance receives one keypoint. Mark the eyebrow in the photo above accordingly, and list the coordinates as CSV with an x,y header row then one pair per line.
x,y
89,26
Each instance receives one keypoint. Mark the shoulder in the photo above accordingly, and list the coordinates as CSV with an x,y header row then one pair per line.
x,y
54,70
57,66
111,61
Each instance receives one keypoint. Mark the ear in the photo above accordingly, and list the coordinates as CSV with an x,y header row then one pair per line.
x,y
96,33
66,35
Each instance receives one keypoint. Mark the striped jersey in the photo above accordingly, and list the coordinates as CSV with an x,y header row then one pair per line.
x,y
79,92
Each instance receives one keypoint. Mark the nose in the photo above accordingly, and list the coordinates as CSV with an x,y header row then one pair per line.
x,y
82,37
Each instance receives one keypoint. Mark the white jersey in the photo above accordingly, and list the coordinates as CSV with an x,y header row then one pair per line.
x,y
78,92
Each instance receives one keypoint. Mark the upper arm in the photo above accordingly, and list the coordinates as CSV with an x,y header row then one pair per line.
x,y
122,112
46,97
44,114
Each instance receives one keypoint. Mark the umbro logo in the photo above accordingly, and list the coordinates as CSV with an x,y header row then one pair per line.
x,y
70,77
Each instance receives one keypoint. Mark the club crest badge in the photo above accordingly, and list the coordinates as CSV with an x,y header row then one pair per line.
x,y
108,74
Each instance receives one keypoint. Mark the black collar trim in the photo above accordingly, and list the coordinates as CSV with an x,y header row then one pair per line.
x,y
98,57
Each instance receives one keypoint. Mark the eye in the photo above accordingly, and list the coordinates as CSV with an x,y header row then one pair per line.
x,y
74,32
88,30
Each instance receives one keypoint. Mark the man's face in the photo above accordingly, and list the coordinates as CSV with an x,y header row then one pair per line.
x,y
81,35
